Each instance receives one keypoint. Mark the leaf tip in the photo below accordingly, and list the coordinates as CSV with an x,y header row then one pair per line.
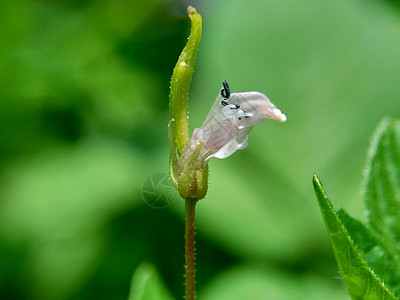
x,y
316,182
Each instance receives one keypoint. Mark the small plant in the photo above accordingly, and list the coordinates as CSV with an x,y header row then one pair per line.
x,y
224,131
368,256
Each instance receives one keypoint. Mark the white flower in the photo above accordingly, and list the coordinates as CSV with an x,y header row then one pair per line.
x,y
229,122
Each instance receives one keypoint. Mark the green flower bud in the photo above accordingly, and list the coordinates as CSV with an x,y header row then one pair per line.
x,y
188,175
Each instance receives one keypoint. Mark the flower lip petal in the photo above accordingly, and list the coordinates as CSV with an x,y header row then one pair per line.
x,y
238,143
279,116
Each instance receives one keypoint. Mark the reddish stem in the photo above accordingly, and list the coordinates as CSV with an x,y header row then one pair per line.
x,y
190,289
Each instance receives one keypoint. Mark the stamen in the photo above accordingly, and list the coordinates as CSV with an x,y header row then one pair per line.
x,y
225,92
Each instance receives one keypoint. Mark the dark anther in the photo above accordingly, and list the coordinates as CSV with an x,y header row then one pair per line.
x,y
225,92
223,102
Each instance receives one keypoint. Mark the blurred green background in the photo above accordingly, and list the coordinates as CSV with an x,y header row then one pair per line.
x,y
83,118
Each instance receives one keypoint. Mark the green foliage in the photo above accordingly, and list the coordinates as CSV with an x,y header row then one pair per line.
x,y
360,279
368,257
382,195
83,116
147,285
252,281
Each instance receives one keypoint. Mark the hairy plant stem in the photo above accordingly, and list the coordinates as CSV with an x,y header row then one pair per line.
x,y
190,289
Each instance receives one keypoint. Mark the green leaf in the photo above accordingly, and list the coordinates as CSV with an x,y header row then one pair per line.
x,y
360,280
382,193
361,235
57,205
253,281
382,186
147,285
370,248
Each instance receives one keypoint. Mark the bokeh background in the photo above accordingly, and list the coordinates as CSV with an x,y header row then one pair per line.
x,y
83,118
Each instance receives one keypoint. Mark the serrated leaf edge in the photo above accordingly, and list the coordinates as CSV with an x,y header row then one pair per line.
x,y
319,190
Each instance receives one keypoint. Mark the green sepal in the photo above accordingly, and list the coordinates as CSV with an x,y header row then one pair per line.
x,y
173,160
193,175
189,173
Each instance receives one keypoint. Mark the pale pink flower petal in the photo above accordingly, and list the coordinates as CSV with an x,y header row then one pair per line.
x,y
229,122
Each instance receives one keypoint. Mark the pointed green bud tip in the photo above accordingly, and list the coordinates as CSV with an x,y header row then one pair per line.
x,y
181,79
188,173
